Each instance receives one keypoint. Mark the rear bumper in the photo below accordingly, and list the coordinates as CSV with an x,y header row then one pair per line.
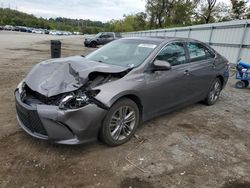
x,y
60,126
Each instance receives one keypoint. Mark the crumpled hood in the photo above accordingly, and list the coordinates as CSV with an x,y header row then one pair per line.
x,y
56,76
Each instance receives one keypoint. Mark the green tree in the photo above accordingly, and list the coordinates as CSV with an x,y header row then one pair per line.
x,y
168,13
183,12
239,9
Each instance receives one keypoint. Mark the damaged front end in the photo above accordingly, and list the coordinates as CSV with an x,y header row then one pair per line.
x,y
72,117
83,96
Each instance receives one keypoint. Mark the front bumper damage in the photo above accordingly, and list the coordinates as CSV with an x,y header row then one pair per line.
x,y
60,126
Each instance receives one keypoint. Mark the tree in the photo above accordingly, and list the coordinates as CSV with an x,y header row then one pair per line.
x,y
239,9
205,11
132,22
156,10
182,13
222,12
248,13
163,13
140,21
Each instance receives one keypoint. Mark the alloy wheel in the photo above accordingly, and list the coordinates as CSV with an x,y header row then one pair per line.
x,y
215,91
122,122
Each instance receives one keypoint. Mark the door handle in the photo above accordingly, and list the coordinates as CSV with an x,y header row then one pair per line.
x,y
186,72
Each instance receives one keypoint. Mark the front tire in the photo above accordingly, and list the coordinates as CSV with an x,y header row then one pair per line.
x,y
120,123
93,44
214,92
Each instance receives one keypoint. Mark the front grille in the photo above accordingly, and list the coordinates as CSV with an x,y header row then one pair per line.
x,y
30,120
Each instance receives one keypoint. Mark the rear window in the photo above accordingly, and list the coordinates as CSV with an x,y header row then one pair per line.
x,y
198,52
118,35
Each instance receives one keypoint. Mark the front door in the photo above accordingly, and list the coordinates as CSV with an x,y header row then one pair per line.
x,y
165,90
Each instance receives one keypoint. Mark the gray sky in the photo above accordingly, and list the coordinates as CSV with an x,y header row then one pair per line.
x,y
102,10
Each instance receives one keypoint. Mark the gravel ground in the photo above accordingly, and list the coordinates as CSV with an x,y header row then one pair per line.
x,y
198,146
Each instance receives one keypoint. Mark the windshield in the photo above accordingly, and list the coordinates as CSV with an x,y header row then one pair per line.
x,y
126,53
98,35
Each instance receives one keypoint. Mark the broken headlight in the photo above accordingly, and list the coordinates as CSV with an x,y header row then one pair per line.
x,y
77,99
20,86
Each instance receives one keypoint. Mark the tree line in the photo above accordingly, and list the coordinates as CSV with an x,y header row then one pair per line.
x,y
17,18
158,14
175,13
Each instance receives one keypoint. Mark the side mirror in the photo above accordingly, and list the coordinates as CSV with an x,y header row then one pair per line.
x,y
160,65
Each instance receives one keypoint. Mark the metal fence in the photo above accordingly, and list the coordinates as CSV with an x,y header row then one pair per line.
x,y
231,39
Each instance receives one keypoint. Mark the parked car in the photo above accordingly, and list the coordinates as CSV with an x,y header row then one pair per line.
x,y
110,91
66,33
52,32
22,29
1,28
16,28
29,30
76,33
46,31
8,27
38,31
101,39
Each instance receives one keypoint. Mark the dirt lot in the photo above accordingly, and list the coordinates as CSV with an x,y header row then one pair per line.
x,y
197,146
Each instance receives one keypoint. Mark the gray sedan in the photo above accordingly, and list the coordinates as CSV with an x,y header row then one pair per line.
x,y
108,93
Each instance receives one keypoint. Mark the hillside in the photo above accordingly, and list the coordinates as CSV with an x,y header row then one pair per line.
x,y
17,18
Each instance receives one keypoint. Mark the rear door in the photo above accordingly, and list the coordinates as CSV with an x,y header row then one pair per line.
x,y
201,68
106,38
110,37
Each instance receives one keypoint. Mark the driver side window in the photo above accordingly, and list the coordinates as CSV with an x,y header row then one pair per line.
x,y
173,53
106,35
103,35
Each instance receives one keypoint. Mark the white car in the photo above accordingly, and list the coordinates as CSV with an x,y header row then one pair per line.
x,y
52,32
38,31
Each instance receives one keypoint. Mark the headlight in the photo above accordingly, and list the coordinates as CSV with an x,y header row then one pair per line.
x,y
73,101
77,99
20,86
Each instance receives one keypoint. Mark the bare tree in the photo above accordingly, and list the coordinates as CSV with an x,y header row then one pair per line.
x,y
206,9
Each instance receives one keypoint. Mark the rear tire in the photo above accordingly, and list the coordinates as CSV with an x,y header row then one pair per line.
x,y
120,123
240,84
214,92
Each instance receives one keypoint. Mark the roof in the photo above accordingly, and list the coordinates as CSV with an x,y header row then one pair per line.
x,y
159,39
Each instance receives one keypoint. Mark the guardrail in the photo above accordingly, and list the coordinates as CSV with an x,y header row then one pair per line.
x,y
231,39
